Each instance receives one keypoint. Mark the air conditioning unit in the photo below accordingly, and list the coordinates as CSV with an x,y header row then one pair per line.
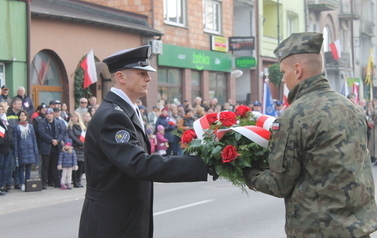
x,y
156,47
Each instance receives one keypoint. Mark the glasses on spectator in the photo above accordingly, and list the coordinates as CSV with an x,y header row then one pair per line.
x,y
83,102
4,89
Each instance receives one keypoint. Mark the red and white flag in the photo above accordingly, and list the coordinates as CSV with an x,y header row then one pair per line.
x,y
355,90
285,96
82,136
89,67
2,132
335,49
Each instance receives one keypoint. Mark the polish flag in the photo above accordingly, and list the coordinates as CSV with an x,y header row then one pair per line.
x,y
82,136
2,132
89,67
335,49
355,90
285,96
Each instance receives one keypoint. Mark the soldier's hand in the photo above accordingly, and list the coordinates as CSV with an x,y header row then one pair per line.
x,y
212,172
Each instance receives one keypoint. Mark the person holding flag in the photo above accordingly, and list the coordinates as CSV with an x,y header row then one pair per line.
x,y
76,132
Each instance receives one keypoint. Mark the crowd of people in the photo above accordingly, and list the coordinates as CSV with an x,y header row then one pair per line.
x,y
47,138
42,137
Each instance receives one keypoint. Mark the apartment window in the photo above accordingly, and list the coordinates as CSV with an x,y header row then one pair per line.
x,y
169,84
212,16
175,12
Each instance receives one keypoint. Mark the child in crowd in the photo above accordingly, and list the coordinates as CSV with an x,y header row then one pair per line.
x,y
152,139
25,147
162,142
67,163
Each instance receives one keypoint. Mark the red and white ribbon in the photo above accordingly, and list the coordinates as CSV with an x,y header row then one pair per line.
x,y
259,133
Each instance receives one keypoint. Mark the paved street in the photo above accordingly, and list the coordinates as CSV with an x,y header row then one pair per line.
x,y
185,210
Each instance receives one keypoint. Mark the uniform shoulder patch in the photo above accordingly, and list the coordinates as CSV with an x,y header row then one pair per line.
x,y
122,136
118,108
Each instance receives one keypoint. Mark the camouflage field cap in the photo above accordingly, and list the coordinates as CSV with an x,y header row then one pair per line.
x,y
299,43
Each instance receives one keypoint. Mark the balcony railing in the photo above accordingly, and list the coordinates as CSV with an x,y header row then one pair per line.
x,y
367,28
350,9
344,60
323,5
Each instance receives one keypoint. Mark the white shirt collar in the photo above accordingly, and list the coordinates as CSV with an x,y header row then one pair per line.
x,y
124,96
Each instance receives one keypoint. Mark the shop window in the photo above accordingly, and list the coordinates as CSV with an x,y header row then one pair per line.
x,y
195,84
169,85
217,86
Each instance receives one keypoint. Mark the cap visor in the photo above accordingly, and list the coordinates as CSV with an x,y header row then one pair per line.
x,y
146,68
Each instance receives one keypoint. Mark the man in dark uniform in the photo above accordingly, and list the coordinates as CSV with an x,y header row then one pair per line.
x,y
118,165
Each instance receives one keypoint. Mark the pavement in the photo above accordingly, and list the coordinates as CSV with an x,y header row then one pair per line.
x,y
17,200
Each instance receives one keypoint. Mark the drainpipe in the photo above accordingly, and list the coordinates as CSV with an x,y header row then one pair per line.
x,y
28,19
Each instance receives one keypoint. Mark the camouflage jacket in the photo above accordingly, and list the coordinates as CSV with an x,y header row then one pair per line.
x,y
320,165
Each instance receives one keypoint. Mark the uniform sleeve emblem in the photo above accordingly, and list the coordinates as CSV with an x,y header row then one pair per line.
x,y
275,126
122,136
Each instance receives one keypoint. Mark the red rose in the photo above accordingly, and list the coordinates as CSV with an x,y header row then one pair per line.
x,y
188,136
228,118
212,118
242,110
229,154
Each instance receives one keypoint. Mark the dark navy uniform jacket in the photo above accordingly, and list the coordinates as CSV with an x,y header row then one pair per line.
x,y
119,173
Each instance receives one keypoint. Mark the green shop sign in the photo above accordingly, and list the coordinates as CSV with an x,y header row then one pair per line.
x,y
246,62
183,57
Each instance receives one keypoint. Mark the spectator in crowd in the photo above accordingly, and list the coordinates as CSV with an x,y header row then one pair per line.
x,y
231,104
4,97
199,112
67,163
352,97
52,135
12,117
213,103
36,122
57,116
92,101
318,157
363,104
92,110
278,108
86,118
162,142
152,139
186,123
164,120
174,119
27,102
227,107
35,113
64,113
76,132
197,102
181,110
153,116
55,103
25,147
257,106
5,143
83,106
142,110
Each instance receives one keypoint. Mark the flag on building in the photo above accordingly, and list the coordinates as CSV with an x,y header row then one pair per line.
x,y
368,78
89,67
345,90
2,131
285,96
335,49
268,103
82,136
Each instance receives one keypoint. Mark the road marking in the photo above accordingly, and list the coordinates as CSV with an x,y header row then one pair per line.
x,y
182,207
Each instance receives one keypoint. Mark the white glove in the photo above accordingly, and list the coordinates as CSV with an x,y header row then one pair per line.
x,y
60,167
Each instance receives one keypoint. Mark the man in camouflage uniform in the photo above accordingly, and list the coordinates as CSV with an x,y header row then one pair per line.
x,y
319,161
